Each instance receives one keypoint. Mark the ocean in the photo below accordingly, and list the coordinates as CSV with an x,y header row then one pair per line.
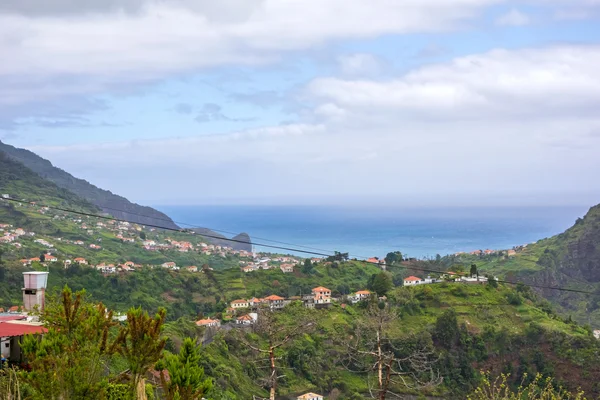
x,y
369,232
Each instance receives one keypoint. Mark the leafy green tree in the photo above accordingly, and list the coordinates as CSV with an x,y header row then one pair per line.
x,y
186,376
492,282
446,330
42,257
143,235
307,267
393,258
141,344
70,360
337,256
382,283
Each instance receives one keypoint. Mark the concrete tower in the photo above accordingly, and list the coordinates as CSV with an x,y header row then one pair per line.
x,y
34,291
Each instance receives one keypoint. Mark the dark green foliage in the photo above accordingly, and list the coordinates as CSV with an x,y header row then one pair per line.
x,y
69,360
446,331
187,380
393,258
141,344
492,282
382,283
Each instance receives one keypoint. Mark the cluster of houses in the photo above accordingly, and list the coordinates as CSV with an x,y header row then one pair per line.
x,y
10,235
285,264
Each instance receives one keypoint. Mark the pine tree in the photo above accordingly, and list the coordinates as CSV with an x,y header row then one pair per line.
x,y
186,376
141,344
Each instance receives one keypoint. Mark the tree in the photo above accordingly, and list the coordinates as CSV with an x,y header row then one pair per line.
x,y
446,330
473,270
277,334
393,257
308,267
538,389
141,344
382,283
337,256
143,235
372,350
69,361
492,282
42,257
186,376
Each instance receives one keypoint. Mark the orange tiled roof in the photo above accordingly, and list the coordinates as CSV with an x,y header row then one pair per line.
x,y
274,297
412,279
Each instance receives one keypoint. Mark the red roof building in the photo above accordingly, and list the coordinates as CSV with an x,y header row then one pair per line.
x,y
8,329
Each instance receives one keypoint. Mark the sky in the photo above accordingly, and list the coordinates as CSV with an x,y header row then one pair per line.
x,y
408,102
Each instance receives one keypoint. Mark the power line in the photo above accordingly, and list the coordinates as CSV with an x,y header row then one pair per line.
x,y
426,270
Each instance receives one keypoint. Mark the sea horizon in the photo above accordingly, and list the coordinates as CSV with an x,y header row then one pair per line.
x,y
362,231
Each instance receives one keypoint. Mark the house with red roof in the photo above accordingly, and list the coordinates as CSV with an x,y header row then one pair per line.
x,y
209,323
322,296
245,319
81,260
274,301
11,335
412,280
360,296
50,258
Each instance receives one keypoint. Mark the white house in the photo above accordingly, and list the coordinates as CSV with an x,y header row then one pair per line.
x,y
286,268
240,304
208,322
412,280
246,319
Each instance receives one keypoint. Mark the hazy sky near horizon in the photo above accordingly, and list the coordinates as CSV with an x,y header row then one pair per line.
x,y
414,102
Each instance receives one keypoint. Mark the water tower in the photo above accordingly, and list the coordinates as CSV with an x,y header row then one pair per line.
x,y
34,290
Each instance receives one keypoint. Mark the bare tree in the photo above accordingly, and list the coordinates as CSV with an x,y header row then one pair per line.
x,y
371,350
277,334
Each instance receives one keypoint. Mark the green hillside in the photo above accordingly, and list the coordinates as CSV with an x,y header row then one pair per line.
x,y
468,328
115,205
570,259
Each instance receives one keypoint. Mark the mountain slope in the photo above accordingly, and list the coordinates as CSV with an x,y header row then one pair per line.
x,y
18,181
570,259
107,201
112,204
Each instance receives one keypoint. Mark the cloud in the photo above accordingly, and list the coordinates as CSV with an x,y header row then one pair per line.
x,y
261,98
183,108
213,112
109,45
513,18
502,127
360,64
549,83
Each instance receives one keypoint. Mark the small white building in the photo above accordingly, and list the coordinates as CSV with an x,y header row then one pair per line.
x,y
412,280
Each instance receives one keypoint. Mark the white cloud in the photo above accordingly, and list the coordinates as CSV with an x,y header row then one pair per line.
x,y
360,64
513,18
542,83
501,127
46,54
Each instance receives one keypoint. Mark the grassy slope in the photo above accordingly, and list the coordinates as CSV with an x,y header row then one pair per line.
x,y
570,260
502,332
